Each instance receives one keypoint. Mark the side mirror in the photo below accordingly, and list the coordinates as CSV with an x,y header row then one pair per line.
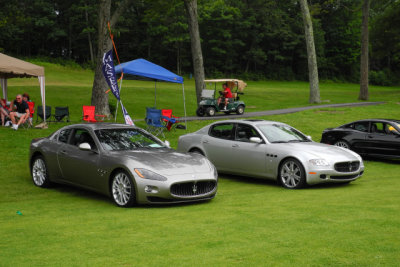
x,y
309,137
85,147
167,144
256,140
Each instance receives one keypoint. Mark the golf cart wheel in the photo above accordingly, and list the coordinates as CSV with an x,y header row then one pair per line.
x,y
210,111
240,110
200,112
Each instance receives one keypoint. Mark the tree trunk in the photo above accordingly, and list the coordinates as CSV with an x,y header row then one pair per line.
x,y
99,97
89,37
311,55
364,52
197,55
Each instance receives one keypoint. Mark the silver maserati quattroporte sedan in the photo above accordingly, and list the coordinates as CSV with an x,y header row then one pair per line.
x,y
274,150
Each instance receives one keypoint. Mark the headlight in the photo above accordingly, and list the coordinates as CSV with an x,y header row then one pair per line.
x,y
319,162
146,174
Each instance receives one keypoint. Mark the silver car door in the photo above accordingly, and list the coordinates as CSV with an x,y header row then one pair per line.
x,y
248,157
218,145
79,166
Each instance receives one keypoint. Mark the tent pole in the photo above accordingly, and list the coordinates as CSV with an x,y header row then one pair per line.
x,y
155,94
4,86
120,89
43,94
184,103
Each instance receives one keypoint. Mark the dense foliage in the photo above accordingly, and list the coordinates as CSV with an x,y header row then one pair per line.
x,y
254,39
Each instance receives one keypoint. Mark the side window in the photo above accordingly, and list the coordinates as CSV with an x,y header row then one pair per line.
x,y
223,131
83,136
361,126
245,132
389,129
378,127
63,136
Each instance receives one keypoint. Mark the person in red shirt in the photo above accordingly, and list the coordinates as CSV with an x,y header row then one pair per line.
x,y
4,110
226,95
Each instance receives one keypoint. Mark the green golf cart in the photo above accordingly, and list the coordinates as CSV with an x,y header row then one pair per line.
x,y
209,101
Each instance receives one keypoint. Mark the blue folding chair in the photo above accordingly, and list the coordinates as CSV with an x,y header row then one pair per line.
x,y
154,122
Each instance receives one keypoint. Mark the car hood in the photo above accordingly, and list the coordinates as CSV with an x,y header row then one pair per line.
x,y
323,151
166,161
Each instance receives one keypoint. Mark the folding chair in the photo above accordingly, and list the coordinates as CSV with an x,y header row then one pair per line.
x,y
39,113
61,113
170,120
88,114
154,121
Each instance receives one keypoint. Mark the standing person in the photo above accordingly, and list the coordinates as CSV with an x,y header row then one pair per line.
x,y
22,112
4,111
226,95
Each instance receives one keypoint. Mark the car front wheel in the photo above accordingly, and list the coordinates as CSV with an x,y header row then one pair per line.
x,y
40,174
123,190
240,110
210,111
342,143
292,174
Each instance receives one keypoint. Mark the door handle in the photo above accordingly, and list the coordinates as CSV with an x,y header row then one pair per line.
x,y
205,142
370,136
235,145
63,152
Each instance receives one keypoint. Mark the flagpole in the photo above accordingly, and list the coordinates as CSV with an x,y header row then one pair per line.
x,y
120,89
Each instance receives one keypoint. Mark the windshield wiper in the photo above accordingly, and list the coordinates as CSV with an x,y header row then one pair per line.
x,y
298,141
279,142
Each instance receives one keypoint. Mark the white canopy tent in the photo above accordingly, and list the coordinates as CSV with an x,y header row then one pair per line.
x,y
11,67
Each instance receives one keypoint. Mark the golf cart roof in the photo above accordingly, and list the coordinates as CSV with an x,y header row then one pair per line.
x,y
222,80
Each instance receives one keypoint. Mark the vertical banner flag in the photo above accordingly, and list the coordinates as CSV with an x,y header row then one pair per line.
x,y
109,75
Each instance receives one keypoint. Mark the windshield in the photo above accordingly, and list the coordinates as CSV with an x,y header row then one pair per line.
x,y
279,133
126,139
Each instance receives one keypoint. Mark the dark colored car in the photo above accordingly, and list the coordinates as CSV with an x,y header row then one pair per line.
x,y
372,137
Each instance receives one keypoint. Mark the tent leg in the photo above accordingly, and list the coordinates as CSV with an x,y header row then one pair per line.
x,y
184,104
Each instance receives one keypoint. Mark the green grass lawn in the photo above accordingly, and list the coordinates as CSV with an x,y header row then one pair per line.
x,y
250,222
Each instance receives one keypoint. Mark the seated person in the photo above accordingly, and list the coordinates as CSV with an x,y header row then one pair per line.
x,y
26,97
4,111
22,112
226,95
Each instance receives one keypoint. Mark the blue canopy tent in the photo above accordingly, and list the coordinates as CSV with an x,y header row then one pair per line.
x,y
143,69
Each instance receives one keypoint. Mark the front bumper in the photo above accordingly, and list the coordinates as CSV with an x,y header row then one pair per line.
x,y
332,176
178,189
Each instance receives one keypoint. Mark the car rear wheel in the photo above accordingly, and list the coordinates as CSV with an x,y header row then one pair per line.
x,y
342,143
240,110
196,151
200,112
40,174
210,111
123,190
292,174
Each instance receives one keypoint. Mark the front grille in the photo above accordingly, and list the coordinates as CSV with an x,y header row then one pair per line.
x,y
190,189
347,166
344,177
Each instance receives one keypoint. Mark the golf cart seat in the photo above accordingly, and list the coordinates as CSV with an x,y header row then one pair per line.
x,y
207,94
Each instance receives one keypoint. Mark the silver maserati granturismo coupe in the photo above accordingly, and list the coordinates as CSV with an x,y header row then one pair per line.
x,y
124,162
274,150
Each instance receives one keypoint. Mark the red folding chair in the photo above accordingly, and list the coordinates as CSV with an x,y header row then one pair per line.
x,y
170,120
88,114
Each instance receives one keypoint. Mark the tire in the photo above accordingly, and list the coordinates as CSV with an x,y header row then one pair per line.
x,y
200,112
342,143
123,190
291,174
196,151
40,173
240,110
210,111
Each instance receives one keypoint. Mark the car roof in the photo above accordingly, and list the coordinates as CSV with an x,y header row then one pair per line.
x,y
249,121
376,120
100,125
